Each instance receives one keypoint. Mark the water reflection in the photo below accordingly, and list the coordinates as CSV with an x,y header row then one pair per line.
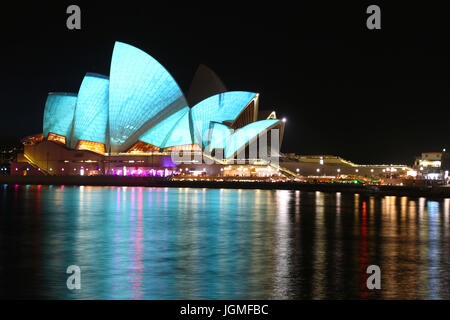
x,y
185,243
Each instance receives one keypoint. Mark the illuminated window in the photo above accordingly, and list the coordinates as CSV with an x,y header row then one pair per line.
x,y
91,146
143,147
190,147
56,138
33,139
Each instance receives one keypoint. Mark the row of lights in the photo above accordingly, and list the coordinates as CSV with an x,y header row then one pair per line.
x,y
51,169
357,170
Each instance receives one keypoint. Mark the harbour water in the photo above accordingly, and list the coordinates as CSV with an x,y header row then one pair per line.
x,y
188,243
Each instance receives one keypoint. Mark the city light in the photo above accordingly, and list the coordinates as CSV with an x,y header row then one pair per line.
x,y
411,173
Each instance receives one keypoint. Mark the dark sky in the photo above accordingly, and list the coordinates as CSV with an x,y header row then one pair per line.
x,y
378,96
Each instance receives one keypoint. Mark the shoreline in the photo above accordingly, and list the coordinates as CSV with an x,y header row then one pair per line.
x,y
383,190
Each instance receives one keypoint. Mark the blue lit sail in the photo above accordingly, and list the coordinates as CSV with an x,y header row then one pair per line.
x,y
181,133
241,137
91,112
219,135
172,131
58,114
218,108
141,94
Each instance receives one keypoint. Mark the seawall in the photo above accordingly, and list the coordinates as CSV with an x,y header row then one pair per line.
x,y
434,192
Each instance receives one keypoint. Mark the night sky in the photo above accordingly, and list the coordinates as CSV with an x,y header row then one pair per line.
x,y
380,96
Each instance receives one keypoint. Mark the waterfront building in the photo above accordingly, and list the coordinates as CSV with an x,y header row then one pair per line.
x,y
133,121
433,165
329,166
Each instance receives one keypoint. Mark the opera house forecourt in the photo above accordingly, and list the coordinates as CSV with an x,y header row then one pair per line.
x,y
138,122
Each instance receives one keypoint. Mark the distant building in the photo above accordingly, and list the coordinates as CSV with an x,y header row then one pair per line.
x,y
8,153
433,165
334,166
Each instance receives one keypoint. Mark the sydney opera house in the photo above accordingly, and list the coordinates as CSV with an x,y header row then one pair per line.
x,y
134,122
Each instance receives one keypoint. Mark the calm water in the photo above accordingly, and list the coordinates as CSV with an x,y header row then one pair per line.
x,y
164,243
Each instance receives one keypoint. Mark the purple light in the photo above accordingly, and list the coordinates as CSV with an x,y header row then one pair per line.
x,y
167,162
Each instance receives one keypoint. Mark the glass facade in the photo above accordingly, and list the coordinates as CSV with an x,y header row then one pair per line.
x,y
218,108
91,112
242,136
58,114
141,93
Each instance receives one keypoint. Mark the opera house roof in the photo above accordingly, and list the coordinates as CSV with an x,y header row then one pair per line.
x,y
141,103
